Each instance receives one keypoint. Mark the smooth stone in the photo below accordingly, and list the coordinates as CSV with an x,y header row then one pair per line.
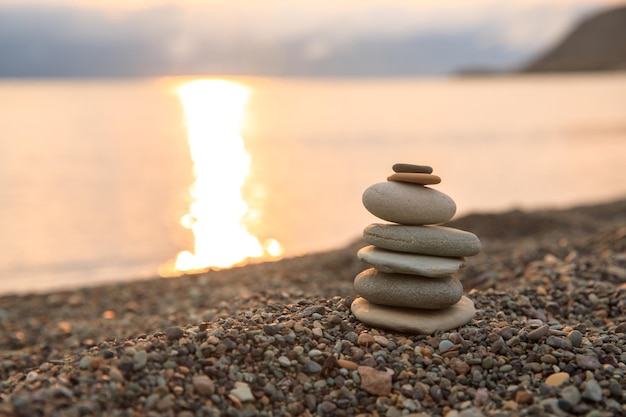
x,y
424,240
411,320
423,169
404,290
375,382
415,178
410,263
592,391
404,203
557,379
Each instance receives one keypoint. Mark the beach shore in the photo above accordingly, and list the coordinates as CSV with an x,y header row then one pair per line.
x,y
278,338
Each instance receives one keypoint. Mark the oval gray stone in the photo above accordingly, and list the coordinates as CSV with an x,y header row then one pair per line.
x,y
425,240
411,320
406,203
410,263
403,290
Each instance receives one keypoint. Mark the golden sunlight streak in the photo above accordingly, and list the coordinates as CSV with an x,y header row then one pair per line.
x,y
213,112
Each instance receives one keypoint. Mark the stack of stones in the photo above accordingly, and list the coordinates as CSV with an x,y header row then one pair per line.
x,y
411,287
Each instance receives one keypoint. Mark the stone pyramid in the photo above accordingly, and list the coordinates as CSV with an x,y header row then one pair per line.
x,y
411,286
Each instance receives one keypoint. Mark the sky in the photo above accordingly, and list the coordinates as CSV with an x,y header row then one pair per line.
x,y
254,34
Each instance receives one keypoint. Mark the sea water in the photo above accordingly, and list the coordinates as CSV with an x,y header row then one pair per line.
x,y
95,175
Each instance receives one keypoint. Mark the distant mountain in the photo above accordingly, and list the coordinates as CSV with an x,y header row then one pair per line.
x,y
56,41
596,44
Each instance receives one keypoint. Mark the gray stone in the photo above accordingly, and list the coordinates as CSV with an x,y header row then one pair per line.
x,y
445,345
559,342
576,338
403,290
538,333
410,263
592,391
410,320
571,394
312,367
139,360
588,362
424,240
406,203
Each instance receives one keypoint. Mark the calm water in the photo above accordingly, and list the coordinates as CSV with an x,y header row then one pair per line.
x,y
95,175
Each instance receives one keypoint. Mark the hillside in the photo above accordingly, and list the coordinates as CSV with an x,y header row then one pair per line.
x,y
596,44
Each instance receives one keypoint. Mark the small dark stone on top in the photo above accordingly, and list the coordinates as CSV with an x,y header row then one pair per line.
x,y
422,169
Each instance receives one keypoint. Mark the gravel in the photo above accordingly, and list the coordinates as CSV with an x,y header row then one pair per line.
x,y
278,339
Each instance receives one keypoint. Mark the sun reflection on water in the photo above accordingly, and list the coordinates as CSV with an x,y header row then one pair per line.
x,y
213,113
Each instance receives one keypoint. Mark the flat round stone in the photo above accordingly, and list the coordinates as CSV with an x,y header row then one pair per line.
x,y
424,169
415,321
410,263
404,290
405,203
425,240
415,178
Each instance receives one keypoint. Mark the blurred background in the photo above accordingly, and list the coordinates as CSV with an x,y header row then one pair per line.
x,y
151,137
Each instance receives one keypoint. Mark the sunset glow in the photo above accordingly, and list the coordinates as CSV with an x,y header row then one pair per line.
x,y
213,112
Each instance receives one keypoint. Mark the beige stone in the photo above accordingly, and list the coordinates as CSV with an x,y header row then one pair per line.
x,y
415,178
414,321
410,263
375,382
425,240
405,203
404,290
557,379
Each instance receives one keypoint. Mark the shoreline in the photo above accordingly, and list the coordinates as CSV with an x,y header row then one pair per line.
x,y
549,288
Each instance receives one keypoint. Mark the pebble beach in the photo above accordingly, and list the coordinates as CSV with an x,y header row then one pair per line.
x,y
279,339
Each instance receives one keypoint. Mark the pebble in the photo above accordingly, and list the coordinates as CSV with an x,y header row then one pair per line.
x,y
403,290
559,343
401,167
140,359
203,385
557,379
576,338
365,339
414,320
381,340
312,367
524,397
347,364
408,204
284,361
445,345
375,382
415,178
410,263
592,391
571,394
424,240
85,362
242,392
174,333
588,362
538,333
